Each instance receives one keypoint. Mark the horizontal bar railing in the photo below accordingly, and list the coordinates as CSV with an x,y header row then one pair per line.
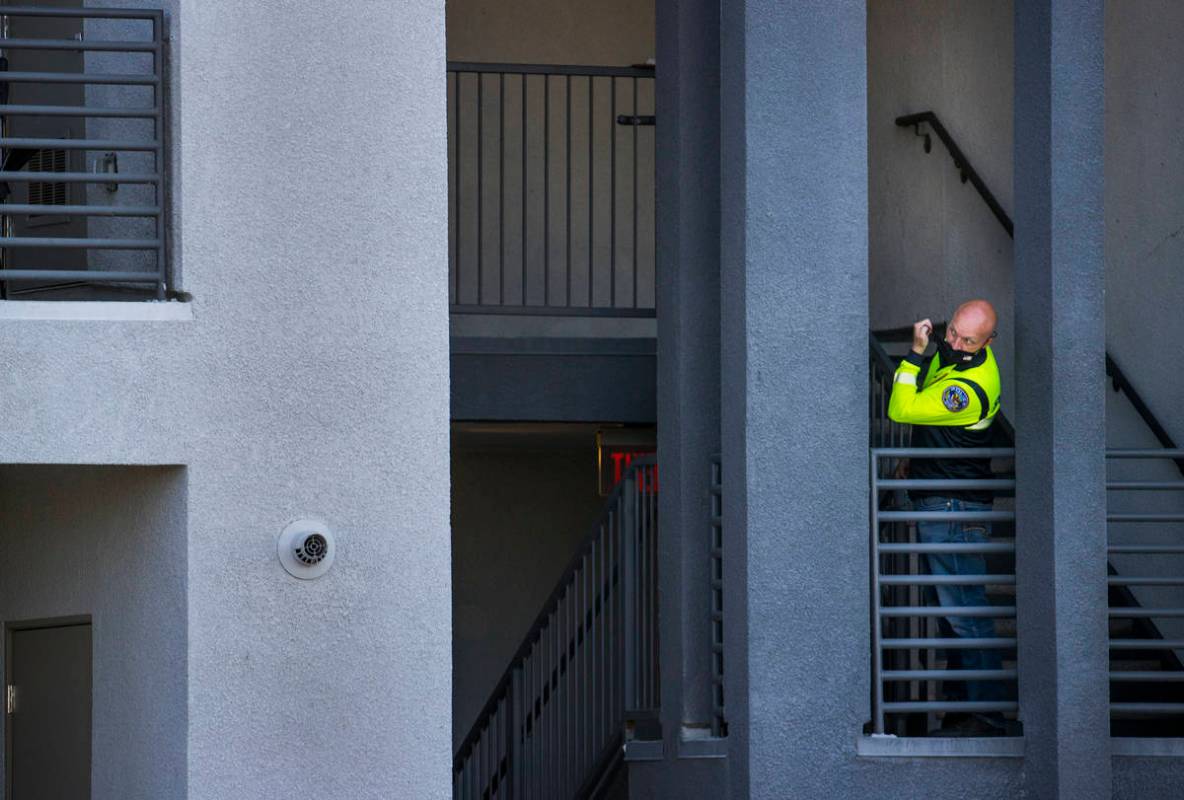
x,y
11,110
1154,593
905,636
586,673
75,45
81,12
111,236
551,198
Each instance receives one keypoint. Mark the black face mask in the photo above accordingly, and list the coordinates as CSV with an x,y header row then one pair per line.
x,y
949,355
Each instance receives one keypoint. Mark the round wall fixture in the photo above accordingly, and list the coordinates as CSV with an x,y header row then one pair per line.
x,y
306,549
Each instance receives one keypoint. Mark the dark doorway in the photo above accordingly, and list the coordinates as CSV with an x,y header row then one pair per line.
x,y
49,711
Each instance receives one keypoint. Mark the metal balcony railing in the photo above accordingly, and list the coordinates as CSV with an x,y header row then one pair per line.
x,y
907,665
83,178
885,432
909,628
719,722
551,189
1147,598
586,675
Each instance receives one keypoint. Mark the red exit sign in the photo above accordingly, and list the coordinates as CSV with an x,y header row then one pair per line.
x,y
615,451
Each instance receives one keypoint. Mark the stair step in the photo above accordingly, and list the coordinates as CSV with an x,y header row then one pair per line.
x,y
1122,628
1136,665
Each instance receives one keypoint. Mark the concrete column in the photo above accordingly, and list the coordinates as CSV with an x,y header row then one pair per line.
x,y
688,340
794,324
315,242
1060,411
688,397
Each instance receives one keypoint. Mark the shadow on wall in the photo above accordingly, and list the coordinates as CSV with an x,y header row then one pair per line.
x,y
518,514
110,543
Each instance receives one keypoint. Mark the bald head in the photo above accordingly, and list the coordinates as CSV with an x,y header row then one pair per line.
x,y
972,327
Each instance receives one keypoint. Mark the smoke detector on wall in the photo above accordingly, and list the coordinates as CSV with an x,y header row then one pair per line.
x,y
306,549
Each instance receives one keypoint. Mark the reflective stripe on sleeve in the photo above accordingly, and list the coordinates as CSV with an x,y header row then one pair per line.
x,y
982,424
906,378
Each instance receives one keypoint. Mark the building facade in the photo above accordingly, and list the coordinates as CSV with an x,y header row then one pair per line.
x,y
411,401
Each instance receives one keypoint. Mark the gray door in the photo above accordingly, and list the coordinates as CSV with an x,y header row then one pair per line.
x,y
49,670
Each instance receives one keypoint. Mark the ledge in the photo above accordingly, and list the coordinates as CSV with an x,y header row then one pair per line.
x,y
706,747
95,311
643,750
1136,747
937,747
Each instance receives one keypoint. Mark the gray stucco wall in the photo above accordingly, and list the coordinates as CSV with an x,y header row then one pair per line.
x,y
1145,203
312,380
109,542
1145,267
1060,408
614,32
517,516
932,242
1147,778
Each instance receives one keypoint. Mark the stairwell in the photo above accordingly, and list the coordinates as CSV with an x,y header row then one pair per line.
x,y
1147,681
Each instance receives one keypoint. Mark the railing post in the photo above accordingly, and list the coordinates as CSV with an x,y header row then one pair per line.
x,y
514,725
629,587
877,650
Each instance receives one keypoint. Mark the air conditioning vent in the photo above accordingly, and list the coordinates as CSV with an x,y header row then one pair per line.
x,y
312,550
47,194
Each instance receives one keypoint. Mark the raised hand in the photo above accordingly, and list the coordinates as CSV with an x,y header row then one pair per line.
x,y
921,333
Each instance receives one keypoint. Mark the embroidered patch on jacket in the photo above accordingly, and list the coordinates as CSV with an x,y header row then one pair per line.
x,y
955,398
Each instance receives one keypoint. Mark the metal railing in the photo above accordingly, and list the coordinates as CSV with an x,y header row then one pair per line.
x,y
551,189
969,173
1152,688
101,237
586,675
884,431
719,722
906,640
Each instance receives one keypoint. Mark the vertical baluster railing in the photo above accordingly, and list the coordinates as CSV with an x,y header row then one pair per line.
x,y
490,108
587,669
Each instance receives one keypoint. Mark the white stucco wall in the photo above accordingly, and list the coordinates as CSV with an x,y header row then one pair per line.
x,y
109,543
312,380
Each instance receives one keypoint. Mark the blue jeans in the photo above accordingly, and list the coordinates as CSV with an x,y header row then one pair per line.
x,y
963,595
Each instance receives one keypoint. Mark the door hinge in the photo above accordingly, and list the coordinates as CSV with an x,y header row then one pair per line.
x,y
10,699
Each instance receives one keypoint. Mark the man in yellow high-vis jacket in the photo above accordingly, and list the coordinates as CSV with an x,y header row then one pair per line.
x,y
952,398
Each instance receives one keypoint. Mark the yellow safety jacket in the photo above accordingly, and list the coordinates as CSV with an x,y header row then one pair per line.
x,y
952,406
964,395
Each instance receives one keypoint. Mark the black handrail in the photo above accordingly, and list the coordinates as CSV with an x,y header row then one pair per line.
x,y
969,173
1122,384
1113,371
